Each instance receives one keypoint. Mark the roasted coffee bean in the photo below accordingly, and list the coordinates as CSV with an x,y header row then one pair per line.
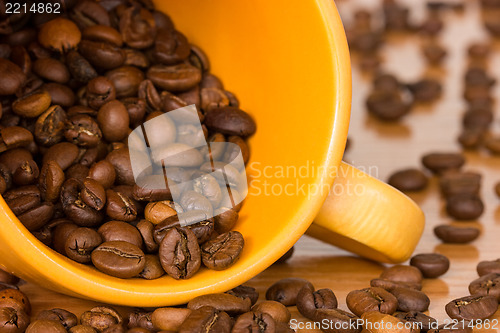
x,y
80,244
213,98
82,329
152,269
410,299
230,120
59,34
387,105
104,173
102,55
125,80
93,194
140,318
169,319
120,231
75,208
22,198
179,253
206,320
113,120
12,77
440,162
45,325
146,230
77,171
371,299
157,212
14,137
49,127
136,58
378,322
144,190
51,69
286,290
486,285
136,109
477,119
174,78
137,27
194,201
119,259
420,319
409,180
456,235
432,265
102,33
120,207
101,318
66,318
32,105
223,302
37,217
171,47
434,53
338,318
254,322
464,206
308,301
13,321
456,183
245,292
488,267
225,219
83,131
13,158
278,311
60,235
64,153
87,13
26,173
472,308
402,273
17,295
425,90
60,94
79,67
223,251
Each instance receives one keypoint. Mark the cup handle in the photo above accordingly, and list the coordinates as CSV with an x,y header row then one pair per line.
x,y
368,217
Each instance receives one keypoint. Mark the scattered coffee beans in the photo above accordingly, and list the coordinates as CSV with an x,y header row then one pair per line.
x,y
432,265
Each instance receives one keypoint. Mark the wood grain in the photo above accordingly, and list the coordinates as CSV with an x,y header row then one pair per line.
x,y
385,148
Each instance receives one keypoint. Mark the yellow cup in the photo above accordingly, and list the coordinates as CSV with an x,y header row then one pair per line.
x,y
288,63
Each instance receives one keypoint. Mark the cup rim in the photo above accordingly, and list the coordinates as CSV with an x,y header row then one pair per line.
x,y
84,282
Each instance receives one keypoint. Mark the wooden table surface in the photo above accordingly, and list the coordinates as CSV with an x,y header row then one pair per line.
x,y
384,148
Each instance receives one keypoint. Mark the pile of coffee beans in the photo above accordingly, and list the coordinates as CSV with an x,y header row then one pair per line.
x,y
72,88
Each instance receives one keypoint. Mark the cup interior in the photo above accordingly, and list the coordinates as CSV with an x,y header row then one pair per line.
x,y
289,66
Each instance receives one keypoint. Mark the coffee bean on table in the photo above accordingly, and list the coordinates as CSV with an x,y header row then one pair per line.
x,y
308,301
169,319
472,308
456,183
32,105
411,299
408,180
222,251
223,302
488,267
66,318
254,322
286,290
206,320
418,318
464,206
245,292
486,285
12,79
371,299
180,253
389,285
456,235
45,325
432,265
440,162
12,320
101,318
278,311
402,273
338,318
119,259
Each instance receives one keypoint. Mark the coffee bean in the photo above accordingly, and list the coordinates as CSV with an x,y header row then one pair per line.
x,y
45,325
120,231
194,201
101,318
230,120
37,217
286,290
208,186
146,230
79,67
157,212
472,308
61,234
171,47
225,219
13,158
278,311
125,80
87,13
486,285
223,251
488,267
408,180
387,105
378,323
421,319
480,119
440,162
174,78
12,320
426,90
82,329
80,244
101,55
371,299
104,173
77,171
140,319
179,253
136,58
17,295
93,194
66,318
347,322
152,269
432,265
12,77
308,301
64,153
51,69
83,131
245,292
464,206
169,319
254,322
119,259
120,207
113,120
206,320
223,302
402,273
76,209
50,125
102,33
434,53
410,299
26,173
59,34
456,183
456,235
32,105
